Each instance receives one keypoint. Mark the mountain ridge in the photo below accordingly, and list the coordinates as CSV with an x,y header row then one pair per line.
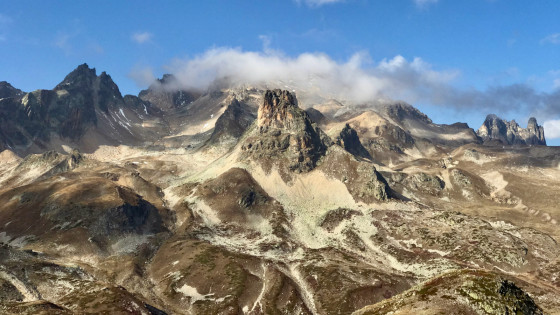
x,y
244,201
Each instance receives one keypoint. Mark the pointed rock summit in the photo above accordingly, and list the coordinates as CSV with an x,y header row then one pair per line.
x,y
349,140
286,133
7,90
509,132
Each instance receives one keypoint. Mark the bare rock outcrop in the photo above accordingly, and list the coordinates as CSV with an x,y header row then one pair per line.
x,y
349,140
286,133
509,132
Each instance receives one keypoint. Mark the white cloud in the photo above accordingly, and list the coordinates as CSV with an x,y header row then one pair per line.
x,y
143,76
142,37
552,129
357,80
63,41
318,3
551,39
423,3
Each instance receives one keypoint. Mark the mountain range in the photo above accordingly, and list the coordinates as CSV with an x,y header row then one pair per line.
x,y
251,200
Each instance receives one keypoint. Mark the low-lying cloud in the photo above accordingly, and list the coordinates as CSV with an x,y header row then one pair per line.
x,y
356,80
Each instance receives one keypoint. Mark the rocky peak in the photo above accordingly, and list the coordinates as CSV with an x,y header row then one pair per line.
x,y
509,132
349,140
286,133
81,77
402,111
279,110
7,90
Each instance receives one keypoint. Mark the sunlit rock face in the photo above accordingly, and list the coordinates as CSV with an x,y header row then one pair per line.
x,y
285,131
509,132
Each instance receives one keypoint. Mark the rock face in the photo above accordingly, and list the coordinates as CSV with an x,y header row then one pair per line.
x,y
403,111
166,94
232,123
82,101
420,126
7,90
509,132
285,132
349,140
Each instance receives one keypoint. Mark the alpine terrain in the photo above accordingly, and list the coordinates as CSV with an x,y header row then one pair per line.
x,y
247,199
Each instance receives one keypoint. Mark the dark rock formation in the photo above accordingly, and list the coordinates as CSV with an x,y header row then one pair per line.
x,y
7,90
232,123
316,116
509,132
285,132
517,301
349,140
82,101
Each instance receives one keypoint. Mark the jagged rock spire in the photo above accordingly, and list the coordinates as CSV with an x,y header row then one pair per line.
x,y
286,134
509,132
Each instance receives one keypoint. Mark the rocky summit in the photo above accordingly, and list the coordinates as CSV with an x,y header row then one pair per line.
x,y
509,132
285,132
249,200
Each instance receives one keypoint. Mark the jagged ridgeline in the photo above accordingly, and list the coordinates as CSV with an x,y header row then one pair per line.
x,y
250,200
509,132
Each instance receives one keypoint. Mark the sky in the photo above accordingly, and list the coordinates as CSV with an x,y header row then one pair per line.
x,y
454,60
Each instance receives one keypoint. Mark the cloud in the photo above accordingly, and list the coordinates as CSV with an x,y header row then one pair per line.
x,y
552,129
63,41
142,76
357,79
318,3
423,3
316,77
551,39
142,37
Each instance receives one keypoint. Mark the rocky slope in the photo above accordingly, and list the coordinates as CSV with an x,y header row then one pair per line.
x,y
242,202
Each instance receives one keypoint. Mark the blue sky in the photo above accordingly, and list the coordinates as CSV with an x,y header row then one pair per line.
x,y
455,60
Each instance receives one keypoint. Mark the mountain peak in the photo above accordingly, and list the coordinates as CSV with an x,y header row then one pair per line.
x,y
279,109
509,132
286,134
7,90
401,111
82,76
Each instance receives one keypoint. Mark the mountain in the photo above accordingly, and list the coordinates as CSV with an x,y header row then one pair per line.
x,y
82,104
166,94
509,132
247,200
7,90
